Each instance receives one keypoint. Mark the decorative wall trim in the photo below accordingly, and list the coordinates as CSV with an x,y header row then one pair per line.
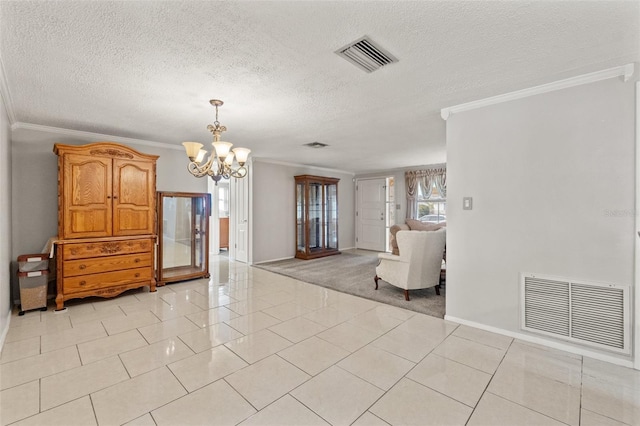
x,y
92,136
625,71
6,95
635,314
284,163
543,342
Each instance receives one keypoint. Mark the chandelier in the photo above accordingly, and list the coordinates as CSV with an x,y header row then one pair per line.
x,y
221,161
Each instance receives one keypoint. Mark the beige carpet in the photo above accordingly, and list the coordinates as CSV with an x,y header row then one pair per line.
x,y
353,274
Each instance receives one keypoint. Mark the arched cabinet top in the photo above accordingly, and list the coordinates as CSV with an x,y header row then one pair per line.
x,y
103,149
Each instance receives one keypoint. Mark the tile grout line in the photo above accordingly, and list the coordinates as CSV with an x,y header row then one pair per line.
x,y
238,392
305,405
490,380
93,408
581,389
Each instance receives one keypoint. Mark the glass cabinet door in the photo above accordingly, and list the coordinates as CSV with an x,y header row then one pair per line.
x,y
301,240
316,216
200,232
183,237
331,216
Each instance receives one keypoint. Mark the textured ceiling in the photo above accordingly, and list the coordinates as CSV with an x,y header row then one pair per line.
x,y
147,69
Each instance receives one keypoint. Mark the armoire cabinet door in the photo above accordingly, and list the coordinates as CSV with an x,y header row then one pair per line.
x,y
133,197
87,196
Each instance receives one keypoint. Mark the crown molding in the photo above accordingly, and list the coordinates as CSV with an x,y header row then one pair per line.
x,y
284,163
5,95
625,71
90,135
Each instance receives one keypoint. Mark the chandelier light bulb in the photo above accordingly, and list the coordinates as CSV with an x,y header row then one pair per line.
x,y
222,149
193,149
242,154
229,160
201,154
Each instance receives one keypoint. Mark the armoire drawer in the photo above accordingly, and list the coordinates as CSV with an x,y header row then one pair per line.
x,y
106,264
105,248
105,279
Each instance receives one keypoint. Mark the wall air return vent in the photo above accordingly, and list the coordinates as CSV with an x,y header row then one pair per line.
x,y
366,55
591,314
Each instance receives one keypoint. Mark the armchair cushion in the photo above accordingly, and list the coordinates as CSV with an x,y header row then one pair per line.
x,y
413,225
416,225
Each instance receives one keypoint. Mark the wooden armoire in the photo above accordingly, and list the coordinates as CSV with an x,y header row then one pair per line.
x,y
106,220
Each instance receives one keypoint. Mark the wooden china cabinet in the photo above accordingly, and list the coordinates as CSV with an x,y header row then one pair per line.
x,y
316,216
106,220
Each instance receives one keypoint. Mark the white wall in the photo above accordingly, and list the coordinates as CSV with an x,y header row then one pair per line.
x,y
5,222
552,181
274,209
34,182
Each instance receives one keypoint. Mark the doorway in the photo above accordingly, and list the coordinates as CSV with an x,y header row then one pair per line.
x,y
239,219
219,217
231,204
374,212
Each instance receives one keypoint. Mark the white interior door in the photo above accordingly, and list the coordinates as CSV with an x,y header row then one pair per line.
x,y
371,214
239,217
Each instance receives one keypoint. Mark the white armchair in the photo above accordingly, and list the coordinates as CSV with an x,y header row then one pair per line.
x,y
419,263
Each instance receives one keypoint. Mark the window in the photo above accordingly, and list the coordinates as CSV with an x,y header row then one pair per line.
x,y
433,208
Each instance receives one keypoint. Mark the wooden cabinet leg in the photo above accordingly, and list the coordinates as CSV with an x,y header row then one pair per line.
x,y
59,302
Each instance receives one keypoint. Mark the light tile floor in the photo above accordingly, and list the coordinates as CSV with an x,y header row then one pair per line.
x,y
254,348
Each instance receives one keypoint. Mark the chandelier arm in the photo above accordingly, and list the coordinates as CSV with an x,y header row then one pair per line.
x,y
239,173
195,170
200,170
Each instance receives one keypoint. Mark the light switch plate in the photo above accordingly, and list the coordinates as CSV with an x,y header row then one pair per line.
x,y
467,203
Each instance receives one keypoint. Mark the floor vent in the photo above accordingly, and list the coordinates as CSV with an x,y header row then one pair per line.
x,y
366,55
587,313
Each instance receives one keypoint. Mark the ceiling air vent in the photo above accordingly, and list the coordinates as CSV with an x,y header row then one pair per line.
x,y
366,55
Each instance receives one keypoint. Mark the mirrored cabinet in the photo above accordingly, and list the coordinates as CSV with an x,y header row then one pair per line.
x,y
316,216
183,234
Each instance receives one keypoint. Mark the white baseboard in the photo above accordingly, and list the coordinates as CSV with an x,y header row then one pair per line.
x,y
544,342
272,260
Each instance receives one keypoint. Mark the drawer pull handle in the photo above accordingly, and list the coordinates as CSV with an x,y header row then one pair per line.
x,y
137,274
137,261
83,266
83,282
